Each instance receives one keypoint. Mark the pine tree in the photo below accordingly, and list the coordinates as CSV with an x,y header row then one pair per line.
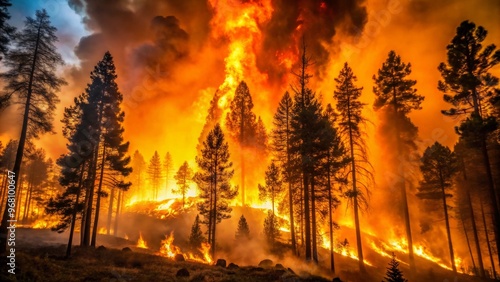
x,y
350,109
310,141
271,229
137,177
281,146
155,174
32,76
183,177
393,274
243,231
273,187
471,89
168,167
438,167
336,161
241,124
196,237
397,97
213,177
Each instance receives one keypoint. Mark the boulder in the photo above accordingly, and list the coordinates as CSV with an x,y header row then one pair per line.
x,y
336,279
126,249
101,248
279,266
179,257
266,263
221,263
182,273
233,266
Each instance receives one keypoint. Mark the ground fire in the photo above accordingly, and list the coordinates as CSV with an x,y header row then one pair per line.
x,y
309,140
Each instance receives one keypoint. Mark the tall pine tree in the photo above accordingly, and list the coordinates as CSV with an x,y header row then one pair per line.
x,y
470,88
213,180
183,178
347,95
155,174
396,97
31,75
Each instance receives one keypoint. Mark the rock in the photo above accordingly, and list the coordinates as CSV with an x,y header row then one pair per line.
x,y
336,279
290,270
266,263
101,248
126,249
279,266
182,273
233,266
179,257
221,263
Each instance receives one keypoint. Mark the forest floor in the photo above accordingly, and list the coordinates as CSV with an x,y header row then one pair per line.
x,y
40,257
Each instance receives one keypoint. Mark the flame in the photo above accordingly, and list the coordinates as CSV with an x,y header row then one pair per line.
x,y
141,243
102,230
41,224
169,250
126,237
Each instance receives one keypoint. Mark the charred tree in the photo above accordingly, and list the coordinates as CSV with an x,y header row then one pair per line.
x,y
155,174
273,187
183,177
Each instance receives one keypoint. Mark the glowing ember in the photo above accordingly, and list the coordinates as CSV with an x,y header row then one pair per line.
x,y
126,237
102,230
141,243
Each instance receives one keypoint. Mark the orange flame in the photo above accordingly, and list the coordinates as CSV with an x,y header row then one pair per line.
x,y
141,243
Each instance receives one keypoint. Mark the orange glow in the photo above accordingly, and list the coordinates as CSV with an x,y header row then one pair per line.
x,y
141,243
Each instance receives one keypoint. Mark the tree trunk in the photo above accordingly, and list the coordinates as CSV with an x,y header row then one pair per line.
x,y
26,201
493,197
313,219
98,201
20,148
75,210
468,243
307,218
290,194
487,239
110,211
119,206
446,219
330,220
476,238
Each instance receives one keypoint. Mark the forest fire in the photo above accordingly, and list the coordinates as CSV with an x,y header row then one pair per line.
x,y
330,133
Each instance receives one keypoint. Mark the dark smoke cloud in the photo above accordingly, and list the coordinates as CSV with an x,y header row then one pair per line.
x,y
317,20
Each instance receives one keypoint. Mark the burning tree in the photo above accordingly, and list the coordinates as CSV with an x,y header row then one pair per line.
x,y
183,177
155,174
438,167
469,87
31,76
243,127
396,97
137,176
350,118
168,167
213,181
